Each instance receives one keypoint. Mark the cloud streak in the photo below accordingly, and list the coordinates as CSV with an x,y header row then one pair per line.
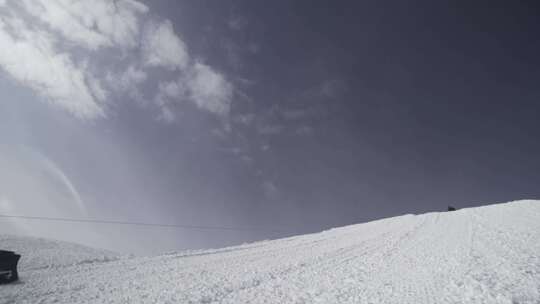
x,y
56,172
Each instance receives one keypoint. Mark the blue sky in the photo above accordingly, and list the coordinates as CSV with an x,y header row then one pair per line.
x,y
294,116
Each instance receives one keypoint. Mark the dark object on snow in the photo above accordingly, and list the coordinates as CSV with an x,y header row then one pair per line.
x,y
8,266
450,208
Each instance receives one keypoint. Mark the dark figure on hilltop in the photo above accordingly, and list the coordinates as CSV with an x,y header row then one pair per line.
x,y
450,208
8,266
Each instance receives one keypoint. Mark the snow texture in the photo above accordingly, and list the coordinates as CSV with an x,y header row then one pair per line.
x,y
478,255
39,253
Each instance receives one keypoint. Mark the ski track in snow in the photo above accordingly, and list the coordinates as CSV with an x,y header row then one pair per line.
x,y
478,255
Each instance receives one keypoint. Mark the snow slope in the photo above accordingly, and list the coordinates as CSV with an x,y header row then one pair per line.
x,y
479,255
39,253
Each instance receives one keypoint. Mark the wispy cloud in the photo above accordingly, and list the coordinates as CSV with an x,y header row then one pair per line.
x,y
201,85
209,89
127,81
30,57
163,48
92,24
58,49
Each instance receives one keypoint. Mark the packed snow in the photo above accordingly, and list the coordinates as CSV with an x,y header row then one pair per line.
x,y
477,255
39,253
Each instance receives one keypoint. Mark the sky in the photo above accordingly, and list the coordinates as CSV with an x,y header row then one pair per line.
x,y
274,117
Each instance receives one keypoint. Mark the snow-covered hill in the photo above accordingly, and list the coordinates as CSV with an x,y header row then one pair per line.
x,y
38,253
479,255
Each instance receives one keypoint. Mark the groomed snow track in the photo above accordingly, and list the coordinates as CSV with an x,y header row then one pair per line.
x,y
478,255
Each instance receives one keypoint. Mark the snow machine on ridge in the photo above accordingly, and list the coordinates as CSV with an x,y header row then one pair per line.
x,y
8,266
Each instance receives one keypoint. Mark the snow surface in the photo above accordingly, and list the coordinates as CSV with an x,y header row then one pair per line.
x,y
39,253
478,255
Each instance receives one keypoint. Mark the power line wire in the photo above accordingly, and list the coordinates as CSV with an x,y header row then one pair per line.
x,y
98,221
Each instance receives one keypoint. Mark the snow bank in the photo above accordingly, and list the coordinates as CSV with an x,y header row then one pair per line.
x,y
479,255
38,253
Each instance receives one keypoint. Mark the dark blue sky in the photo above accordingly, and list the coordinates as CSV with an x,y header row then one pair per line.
x,y
324,114
434,104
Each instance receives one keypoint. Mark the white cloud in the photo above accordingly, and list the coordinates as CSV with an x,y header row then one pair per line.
x,y
96,87
163,48
169,92
33,61
92,24
209,89
172,89
201,85
127,81
133,75
59,47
